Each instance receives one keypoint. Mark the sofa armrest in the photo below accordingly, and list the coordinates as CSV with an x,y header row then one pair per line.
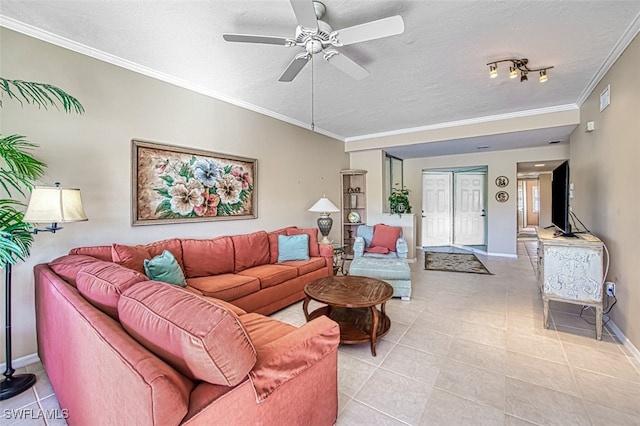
x,y
326,250
402,249
358,247
285,358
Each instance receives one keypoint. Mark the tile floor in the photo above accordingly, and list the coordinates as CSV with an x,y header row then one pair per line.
x,y
466,350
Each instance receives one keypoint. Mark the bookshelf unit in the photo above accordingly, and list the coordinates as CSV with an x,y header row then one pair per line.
x,y
353,206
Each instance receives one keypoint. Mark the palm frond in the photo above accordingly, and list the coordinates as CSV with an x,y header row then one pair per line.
x,y
16,237
20,168
41,95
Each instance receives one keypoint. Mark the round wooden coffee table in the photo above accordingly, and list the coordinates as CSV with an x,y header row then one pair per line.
x,y
351,302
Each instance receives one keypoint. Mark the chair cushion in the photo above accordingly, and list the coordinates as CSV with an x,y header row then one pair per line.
x,y
203,258
385,236
165,268
225,286
294,247
215,348
102,284
314,249
263,330
250,250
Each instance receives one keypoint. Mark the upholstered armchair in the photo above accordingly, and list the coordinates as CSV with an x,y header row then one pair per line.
x,y
380,241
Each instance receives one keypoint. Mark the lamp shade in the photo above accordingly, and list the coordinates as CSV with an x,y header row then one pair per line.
x,y
54,204
324,205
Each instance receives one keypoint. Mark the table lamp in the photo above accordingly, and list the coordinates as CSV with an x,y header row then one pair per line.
x,y
325,207
51,205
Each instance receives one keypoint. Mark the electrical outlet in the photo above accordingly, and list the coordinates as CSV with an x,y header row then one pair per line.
x,y
611,288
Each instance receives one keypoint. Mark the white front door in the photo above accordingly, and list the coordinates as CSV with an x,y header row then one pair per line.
x,y
436,209
469,210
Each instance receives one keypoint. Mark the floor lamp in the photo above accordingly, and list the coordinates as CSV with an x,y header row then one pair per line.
x,y
325,207
47,204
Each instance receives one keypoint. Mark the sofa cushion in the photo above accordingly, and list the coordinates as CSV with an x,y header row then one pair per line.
x,y
225,286
67,267
294,247
306,266
250,250
131,257
314,250
385,236
102,284
207,257
215,348
165,268
99,252
172,244
273,243
263,330
270,275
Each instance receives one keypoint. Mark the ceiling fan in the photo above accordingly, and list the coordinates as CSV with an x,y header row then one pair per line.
x,y
316,36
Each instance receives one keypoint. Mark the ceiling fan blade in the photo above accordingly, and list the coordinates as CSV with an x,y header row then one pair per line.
x,y
346,65
294,68
371,30
243,38
305,13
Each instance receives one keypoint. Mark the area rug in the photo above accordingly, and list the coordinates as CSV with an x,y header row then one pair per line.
x,y
454,262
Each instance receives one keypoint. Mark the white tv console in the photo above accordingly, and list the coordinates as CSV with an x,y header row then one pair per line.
x,y
570,270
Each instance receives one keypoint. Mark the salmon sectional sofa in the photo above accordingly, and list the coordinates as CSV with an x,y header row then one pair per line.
x,y
121,349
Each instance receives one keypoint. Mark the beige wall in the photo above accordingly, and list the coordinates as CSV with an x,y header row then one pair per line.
x,y
92,152
605,169
545,199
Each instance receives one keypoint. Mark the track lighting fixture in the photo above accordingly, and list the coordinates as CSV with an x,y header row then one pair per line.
x,y
518,65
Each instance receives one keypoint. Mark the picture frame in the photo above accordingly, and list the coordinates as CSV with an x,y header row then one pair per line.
x,y
174,184
502,196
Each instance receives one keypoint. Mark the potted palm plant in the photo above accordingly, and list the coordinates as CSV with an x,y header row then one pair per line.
x,y
19,169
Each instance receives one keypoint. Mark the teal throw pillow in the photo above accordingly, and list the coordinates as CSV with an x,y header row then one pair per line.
x,y
165,268
293,247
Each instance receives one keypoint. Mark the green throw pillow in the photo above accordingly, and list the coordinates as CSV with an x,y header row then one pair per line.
x,y
165,268
293,247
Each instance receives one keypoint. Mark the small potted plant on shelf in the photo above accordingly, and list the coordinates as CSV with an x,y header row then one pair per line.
x,y
399,201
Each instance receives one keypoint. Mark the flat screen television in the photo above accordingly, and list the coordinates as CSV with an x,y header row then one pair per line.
x,y
560,198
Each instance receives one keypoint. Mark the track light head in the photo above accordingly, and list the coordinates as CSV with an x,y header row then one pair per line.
x,y
493,70
523,76
543,76
513,72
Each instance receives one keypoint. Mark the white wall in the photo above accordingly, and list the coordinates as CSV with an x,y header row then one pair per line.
x,y
605,169
92,152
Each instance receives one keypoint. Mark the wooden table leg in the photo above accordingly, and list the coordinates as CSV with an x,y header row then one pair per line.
x,y
545,310
305,307
374,328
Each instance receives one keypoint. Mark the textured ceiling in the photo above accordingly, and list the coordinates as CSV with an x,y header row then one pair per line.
x,y
433,73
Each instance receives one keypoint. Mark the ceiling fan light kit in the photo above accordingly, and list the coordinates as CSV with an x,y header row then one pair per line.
x,y
518,65
316,36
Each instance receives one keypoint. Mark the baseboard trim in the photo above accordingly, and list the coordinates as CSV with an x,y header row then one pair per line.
x,y
626,342
22,361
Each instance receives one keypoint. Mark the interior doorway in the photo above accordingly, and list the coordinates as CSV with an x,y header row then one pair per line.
x,y
454,208
528,204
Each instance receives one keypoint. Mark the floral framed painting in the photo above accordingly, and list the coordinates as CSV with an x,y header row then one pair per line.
x,y
172,184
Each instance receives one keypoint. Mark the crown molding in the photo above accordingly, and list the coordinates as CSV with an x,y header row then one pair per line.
x,y
627,37
477,120
83,49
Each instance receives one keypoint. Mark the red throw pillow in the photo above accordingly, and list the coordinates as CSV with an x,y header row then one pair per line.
x,y
377,250
131,257
385,236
